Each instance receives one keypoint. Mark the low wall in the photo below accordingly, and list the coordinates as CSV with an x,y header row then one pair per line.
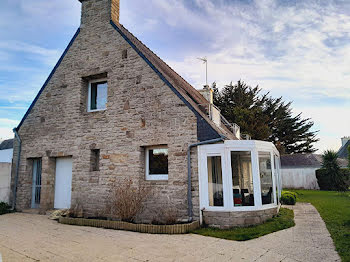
x,y
230,219
299,178
5,180
142,228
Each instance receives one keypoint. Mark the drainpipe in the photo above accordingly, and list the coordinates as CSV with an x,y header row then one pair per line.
x,y
189,180
17,168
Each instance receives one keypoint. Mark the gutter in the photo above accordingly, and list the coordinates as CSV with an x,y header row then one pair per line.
x,y
17,168
189,180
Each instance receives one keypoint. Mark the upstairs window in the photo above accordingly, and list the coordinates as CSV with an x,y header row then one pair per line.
x,y
157,163
97,98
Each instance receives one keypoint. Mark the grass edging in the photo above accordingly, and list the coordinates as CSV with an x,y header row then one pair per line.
x,y
142,228
283,220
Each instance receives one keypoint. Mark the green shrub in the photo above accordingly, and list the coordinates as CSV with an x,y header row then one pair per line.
x,y
333,181
349,157
331,176
288,198
4,208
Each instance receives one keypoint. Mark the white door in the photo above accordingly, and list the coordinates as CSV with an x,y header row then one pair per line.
x,y
63,183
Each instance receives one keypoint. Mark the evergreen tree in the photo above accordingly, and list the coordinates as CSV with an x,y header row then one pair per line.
x,y
265,118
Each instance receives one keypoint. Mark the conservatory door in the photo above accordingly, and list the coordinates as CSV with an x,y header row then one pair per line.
x,y
214,179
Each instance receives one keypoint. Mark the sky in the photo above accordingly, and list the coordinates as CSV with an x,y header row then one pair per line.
x,y
296,49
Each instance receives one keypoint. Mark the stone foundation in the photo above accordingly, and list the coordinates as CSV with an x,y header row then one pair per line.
x,y
230,219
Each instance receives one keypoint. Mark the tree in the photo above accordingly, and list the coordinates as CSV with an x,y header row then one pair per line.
x,y
331,177
265,118
349,157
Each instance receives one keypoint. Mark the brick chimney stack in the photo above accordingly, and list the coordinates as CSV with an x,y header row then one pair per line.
x,y
94,12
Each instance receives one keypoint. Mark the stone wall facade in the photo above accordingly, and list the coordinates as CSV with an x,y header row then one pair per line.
x,y
226,220
141,111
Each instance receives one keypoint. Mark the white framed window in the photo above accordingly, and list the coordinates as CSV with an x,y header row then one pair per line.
x,y
97,96
157,163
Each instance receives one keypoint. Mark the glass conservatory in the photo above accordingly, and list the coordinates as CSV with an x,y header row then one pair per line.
x,y
238,176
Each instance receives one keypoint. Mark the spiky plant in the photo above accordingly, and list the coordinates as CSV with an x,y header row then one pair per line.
x,y
330,160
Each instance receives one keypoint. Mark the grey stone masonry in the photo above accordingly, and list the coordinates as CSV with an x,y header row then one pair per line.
x,y
141,111
225,220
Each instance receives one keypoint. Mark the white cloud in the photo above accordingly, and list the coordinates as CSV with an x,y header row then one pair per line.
x,y
6,127
6,133
8,122
48,56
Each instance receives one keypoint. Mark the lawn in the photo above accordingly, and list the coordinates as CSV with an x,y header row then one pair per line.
x,y
283,220
334,208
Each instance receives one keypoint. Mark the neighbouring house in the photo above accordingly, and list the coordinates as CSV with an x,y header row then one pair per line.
x,y
113,110
343,151
6,152
299,170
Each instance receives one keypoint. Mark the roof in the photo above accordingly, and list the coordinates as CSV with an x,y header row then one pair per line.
x,y
306,160
343,151
6,144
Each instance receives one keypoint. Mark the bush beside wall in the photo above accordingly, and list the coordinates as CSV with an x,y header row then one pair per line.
x,y
4,208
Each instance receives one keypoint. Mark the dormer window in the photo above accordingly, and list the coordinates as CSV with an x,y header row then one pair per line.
x,y
97,98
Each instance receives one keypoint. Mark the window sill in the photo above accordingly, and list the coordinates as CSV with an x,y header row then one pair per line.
x,y
97,110
157,177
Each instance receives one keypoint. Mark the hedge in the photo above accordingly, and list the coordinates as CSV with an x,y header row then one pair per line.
x,y
333,181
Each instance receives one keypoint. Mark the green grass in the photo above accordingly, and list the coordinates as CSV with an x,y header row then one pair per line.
x,y
334,208
285,219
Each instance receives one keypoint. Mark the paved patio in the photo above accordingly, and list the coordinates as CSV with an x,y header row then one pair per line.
x,y
26,237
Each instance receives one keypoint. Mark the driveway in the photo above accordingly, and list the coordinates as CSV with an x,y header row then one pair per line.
x,y
27,237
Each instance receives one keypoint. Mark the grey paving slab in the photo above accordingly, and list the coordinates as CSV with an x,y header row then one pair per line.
x,y
29,237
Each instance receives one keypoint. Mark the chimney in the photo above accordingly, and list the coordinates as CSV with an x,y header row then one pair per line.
x,y
208,93
96,12
344,140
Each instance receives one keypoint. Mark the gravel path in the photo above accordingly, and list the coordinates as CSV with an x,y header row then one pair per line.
x,y
27,237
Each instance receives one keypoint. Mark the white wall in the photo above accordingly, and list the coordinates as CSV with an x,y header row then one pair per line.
x,y
5,180
6,155
303,178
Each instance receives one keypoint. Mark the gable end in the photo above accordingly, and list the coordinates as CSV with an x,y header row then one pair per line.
x,y
204,130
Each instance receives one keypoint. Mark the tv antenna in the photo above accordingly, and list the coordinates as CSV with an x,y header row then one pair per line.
x,y
205,61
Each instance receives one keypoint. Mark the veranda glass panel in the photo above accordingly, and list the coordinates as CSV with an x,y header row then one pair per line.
x,y
266,178
242,178
215,186
276,169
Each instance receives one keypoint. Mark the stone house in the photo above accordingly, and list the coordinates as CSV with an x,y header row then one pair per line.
x,y
110,110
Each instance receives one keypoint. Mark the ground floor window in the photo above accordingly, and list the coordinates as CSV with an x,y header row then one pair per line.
x,y
157,163
36,183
